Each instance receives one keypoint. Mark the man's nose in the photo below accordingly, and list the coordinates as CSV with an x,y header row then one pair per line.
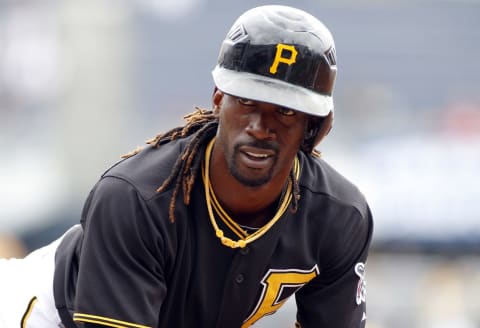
x,y
260,125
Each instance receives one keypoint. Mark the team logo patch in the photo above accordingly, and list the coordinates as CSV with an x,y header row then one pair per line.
x,y
278,285
279,56
362,284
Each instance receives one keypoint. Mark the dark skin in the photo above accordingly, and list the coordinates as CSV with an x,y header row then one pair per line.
x,y
254,151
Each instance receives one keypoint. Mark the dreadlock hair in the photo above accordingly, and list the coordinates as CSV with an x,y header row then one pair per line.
x,y
203,125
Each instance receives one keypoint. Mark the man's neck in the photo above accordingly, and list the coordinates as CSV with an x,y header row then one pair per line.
x,y
251,206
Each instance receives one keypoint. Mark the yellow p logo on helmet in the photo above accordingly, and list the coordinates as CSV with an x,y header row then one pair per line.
x,y
280,59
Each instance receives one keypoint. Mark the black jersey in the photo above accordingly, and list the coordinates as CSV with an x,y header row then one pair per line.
x,y
132,267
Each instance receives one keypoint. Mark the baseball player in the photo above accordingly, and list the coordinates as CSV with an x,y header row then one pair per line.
x,y
218,222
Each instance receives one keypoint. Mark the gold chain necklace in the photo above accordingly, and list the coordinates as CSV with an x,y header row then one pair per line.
x,y
211,199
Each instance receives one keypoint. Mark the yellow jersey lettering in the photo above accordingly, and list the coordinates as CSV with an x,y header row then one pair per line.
x,y
273,284
280,59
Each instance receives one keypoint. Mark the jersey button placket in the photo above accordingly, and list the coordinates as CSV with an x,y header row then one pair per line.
x,y
239,278
245,250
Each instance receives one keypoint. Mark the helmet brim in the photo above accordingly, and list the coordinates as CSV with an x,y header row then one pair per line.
x,y
265,89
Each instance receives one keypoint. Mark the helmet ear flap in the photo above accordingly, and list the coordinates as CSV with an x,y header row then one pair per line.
x,y
317,129
325,128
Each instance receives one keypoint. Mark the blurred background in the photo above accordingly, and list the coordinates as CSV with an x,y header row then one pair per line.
x,y
82,82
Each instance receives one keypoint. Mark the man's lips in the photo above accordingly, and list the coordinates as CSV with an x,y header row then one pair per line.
x,y
257,152
258,158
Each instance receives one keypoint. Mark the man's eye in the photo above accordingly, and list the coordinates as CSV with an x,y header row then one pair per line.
x,y
246,102
286,111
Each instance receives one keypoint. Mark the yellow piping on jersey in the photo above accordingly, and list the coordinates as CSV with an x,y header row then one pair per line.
x,y
82,317
27,313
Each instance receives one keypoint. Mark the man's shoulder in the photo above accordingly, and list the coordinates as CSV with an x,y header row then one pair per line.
x,y
147,169
321,178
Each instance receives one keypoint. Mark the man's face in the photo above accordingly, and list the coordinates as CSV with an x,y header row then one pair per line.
x,y
259,140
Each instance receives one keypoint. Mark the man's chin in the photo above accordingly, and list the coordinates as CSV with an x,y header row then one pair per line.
x,y
251,180
249,176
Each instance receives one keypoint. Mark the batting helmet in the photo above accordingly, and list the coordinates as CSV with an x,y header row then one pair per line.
x,y
280,55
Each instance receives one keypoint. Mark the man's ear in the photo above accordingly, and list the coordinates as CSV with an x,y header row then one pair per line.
x,y
217,100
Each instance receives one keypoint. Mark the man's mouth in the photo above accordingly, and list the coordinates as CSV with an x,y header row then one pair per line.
x,y
257,158
255,155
